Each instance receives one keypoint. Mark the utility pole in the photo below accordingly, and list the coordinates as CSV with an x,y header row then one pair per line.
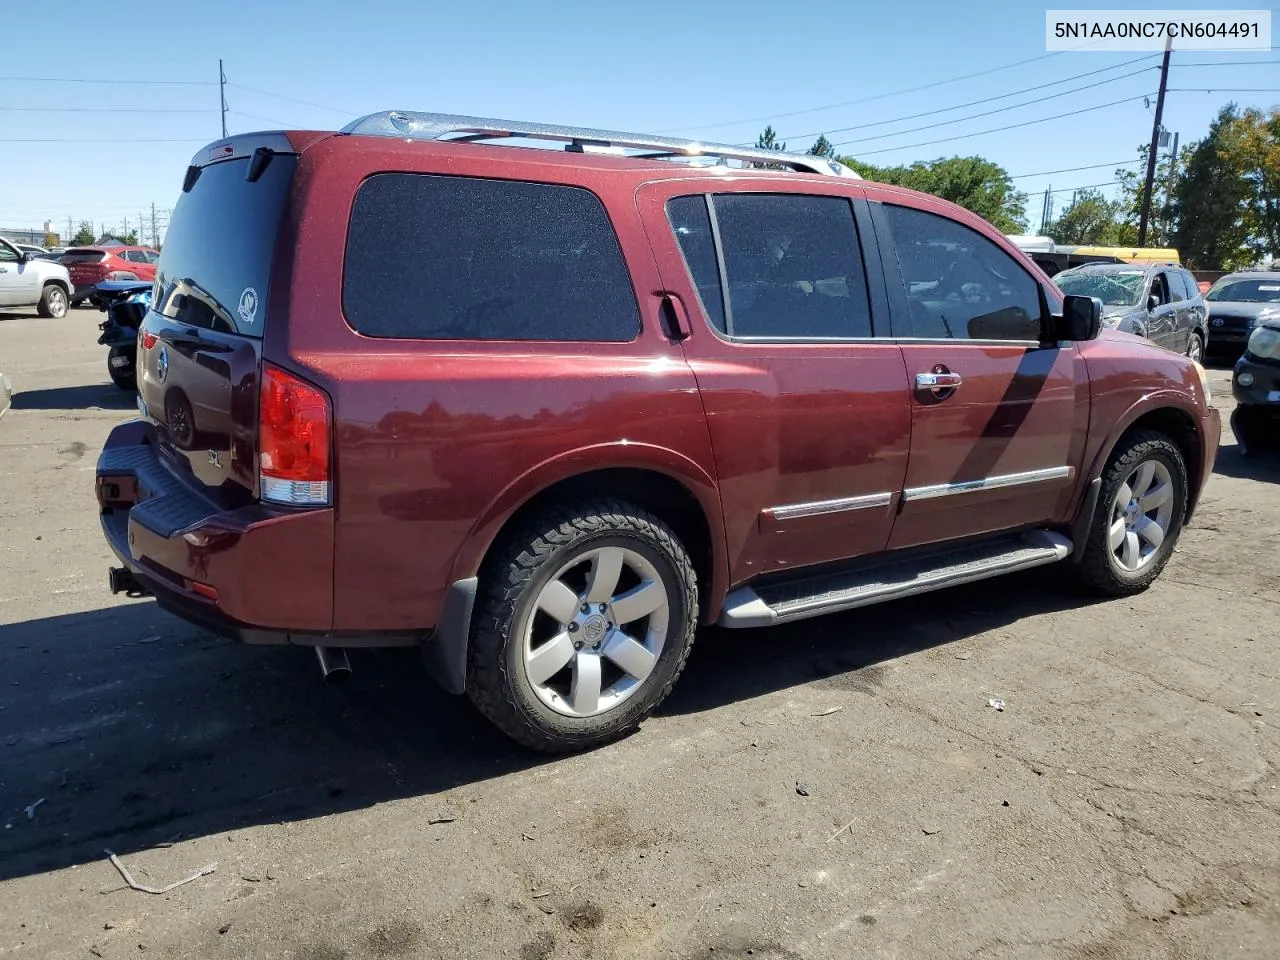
x,y
1155,142
155,234
70,234
222,91
1168,190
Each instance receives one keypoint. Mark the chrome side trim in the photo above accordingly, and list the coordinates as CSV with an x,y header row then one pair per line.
x,y
794,511
987,483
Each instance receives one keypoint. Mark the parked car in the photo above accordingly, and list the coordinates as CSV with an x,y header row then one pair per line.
x,y
125,303
90,266
1256,387
542,413
1238,303
1161,302
27,281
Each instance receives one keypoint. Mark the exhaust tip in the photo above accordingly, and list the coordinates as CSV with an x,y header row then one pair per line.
x,y
334,665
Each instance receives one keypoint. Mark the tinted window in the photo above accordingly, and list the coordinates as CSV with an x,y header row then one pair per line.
x,y
7,253
1160,288
1177,291
1191,283
793,266
692,226
456,258
1246,291
959,284
216,263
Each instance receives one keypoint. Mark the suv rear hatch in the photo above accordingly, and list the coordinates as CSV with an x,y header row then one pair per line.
x,y
200,370
86,265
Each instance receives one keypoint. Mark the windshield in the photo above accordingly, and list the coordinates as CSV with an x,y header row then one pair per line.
x,y
1246,291
1113,289
216,262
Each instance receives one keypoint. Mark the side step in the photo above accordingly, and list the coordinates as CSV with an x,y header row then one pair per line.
x,y
812,596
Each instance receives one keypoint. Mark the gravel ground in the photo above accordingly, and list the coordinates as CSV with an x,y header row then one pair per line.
x,y
833,789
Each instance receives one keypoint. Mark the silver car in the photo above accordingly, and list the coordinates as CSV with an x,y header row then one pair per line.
x,y
28,281
1161,302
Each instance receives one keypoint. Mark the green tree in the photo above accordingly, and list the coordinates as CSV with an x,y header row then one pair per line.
x,y
972,182
130,239
1090,219
84,235
822,147
769,141
1215,205
1256,140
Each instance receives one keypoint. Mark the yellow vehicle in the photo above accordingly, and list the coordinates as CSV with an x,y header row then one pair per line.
x,y
1146,255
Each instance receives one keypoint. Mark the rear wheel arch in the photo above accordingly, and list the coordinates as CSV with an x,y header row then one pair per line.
x,y
685,501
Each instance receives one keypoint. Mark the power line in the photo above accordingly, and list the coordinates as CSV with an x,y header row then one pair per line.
x,y
1224,90
280,96
1003,96
1012,126
1088,186
1096,166
879,96
1227,63
988,113
254,116
157,83
106,109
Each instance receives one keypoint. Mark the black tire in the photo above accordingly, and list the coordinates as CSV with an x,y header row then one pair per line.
x,y
1249,429
1195,347
1099,568
513,576
53,303
125,377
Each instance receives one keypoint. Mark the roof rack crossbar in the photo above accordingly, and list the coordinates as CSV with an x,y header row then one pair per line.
x,y
452,127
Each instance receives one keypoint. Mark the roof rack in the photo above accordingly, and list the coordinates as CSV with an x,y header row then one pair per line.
x,y
444,126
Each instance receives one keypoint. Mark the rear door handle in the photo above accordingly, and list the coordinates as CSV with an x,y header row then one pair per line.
x,y
938,382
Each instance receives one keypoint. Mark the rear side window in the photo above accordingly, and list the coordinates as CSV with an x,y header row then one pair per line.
x,y
215,267
1177,287
692,226
959,284
792,265
457,258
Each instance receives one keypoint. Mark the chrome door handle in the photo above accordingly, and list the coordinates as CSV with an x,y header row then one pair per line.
x,y
938,382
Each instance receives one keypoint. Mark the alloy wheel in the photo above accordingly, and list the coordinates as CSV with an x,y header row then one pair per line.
x,y
1141,514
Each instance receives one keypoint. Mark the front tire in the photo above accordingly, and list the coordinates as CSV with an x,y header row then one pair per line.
x,y
1140,513
53,302
585,619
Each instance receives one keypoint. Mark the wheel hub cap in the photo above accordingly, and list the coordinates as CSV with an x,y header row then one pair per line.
x,y
1141,515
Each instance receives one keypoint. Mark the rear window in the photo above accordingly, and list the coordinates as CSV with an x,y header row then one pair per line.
x,y
82,255
215,266
457,258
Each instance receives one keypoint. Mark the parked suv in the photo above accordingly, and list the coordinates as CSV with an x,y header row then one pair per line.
x,y
90,266
28,281
542,413
1161,302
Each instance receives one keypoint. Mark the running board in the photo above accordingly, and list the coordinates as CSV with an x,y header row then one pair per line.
x,y
812,596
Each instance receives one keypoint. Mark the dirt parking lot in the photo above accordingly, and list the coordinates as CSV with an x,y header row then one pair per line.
x,y
834,789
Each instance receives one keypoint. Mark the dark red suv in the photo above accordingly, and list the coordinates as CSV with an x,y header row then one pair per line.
x,y
543,412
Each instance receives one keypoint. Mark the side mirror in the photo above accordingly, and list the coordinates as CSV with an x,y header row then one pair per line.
x,y
1152,303
23,256
1081,319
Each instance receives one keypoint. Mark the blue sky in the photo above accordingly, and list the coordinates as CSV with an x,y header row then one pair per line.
x,y
692,67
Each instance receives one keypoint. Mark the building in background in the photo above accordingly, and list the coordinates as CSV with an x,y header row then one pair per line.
x,y
37,236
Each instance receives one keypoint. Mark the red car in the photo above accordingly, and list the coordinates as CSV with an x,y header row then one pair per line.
x,y
90,266
543,413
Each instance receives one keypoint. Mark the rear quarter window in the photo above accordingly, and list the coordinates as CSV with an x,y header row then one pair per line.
x,y
456,258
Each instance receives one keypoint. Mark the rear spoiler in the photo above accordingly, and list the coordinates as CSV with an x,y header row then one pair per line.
x,y
260,146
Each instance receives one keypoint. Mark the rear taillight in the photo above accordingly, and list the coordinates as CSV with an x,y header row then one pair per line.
x,y
148,339
293,440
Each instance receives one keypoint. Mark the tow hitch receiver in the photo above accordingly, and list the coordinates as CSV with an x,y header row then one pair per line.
x,y
123,581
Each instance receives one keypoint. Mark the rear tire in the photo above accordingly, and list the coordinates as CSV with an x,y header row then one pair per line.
x,y
1195,348
1140,513
559,614
53,302
126,377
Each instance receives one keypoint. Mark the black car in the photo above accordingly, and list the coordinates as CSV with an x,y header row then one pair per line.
x,y
1238,303
1256,387
1161,302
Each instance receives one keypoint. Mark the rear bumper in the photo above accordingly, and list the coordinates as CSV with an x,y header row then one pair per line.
x,y
259,575
1263,390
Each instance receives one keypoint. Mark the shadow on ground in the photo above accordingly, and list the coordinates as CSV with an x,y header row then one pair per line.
x,y
1263,465
105,396
137,729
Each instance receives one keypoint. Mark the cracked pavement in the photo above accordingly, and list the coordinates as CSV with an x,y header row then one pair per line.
x,y
1125,804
